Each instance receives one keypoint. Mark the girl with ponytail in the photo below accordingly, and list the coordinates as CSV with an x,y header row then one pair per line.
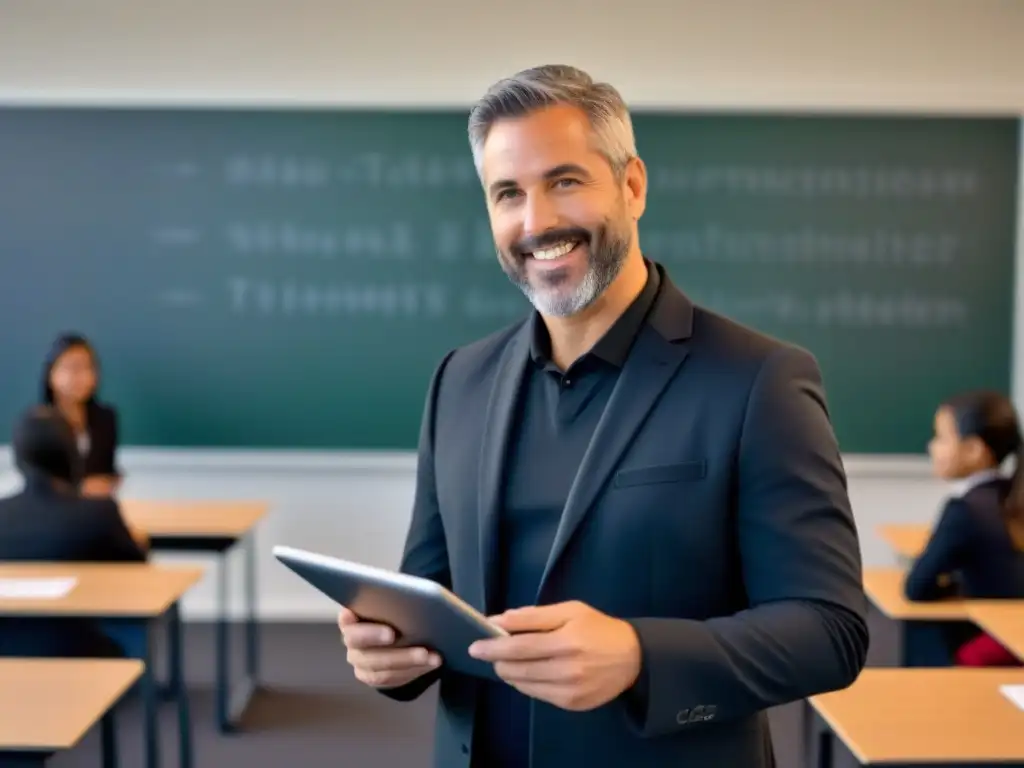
x,y
976,549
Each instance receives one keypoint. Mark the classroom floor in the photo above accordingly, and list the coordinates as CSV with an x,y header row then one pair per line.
x,y
311,712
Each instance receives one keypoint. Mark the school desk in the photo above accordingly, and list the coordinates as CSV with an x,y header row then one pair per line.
x,y
132,591
924,718
1003,620
48,705
884,588
213,527
907,540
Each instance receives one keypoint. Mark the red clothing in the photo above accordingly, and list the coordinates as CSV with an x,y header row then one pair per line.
x,y
985,651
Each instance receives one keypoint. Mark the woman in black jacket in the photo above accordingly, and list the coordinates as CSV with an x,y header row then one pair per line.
x,y
70,384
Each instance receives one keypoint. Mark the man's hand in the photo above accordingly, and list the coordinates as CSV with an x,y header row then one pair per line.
x,y
567,654
376,663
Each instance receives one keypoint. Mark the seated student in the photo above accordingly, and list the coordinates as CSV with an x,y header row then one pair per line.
x,y
70,383
48,520
977,547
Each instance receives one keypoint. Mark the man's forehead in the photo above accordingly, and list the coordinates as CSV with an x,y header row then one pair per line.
x,y
534,143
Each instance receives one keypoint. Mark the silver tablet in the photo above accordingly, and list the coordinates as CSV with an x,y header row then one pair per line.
x,y
422,612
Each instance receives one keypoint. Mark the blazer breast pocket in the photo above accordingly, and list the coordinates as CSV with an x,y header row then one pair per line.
x,y
687,471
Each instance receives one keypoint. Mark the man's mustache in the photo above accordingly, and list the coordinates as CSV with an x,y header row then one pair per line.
x,y
549,238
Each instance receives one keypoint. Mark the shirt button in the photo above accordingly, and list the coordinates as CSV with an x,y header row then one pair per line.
x,y
567,383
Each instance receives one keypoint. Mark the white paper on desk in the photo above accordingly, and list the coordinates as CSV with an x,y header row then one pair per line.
x,y
36,589
1014,693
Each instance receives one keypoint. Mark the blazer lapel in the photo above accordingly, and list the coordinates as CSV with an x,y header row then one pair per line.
x,y
498,420
651,365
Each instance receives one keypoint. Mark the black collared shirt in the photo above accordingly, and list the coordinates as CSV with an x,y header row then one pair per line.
x,y
558,412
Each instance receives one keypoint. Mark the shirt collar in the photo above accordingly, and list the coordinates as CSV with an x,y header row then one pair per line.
x,y
614,346
969,483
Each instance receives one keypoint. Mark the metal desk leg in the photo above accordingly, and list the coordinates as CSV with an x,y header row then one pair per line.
x,y
231,702
222,643
150,703
253,626
902,654
108,739
186,757
825,744
167,690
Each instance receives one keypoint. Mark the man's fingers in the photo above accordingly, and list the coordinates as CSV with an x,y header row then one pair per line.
x,y
392,659
366,635
537,618
373,657
529,646
390,679
564,671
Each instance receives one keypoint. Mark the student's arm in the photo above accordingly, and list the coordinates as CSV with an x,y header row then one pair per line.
x,y
950,542
103,477
426,551
100,486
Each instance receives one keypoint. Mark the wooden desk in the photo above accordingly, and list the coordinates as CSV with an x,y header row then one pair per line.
x,y
884,587
193,520
104,590
48,705
924,717
137,591
1004,620
213,527
907,539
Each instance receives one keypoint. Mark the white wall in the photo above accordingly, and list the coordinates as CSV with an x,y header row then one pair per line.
x,y
958,55
935,56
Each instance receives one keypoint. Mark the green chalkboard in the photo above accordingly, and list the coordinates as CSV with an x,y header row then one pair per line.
x,y
290,278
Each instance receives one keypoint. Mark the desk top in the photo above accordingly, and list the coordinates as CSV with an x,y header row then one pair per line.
x,y
906,539
1004,620
908,716
212,519
104,590
49,704
884,587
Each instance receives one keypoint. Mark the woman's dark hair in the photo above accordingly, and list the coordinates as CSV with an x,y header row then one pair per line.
x,y
62,344
44,446
991,417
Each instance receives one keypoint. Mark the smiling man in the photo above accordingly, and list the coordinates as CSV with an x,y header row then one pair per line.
x,y
647,495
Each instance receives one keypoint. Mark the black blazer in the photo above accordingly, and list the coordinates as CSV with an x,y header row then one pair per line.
x,y
45,524
971,545
103,441
711,512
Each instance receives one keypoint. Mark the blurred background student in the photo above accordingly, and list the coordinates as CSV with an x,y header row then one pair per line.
x,y
977,547
70,384
49,520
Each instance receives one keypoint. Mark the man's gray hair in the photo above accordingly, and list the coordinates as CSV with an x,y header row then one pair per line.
x,y
548,86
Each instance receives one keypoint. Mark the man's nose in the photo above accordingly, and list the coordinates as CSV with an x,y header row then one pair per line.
x,y
539,215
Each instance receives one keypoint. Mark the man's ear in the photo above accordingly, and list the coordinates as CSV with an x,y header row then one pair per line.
x,y
635,188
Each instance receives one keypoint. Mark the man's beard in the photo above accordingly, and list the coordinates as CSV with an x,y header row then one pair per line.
x,y
607,249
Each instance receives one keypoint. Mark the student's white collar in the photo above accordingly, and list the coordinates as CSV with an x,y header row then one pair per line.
x,y
969,483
